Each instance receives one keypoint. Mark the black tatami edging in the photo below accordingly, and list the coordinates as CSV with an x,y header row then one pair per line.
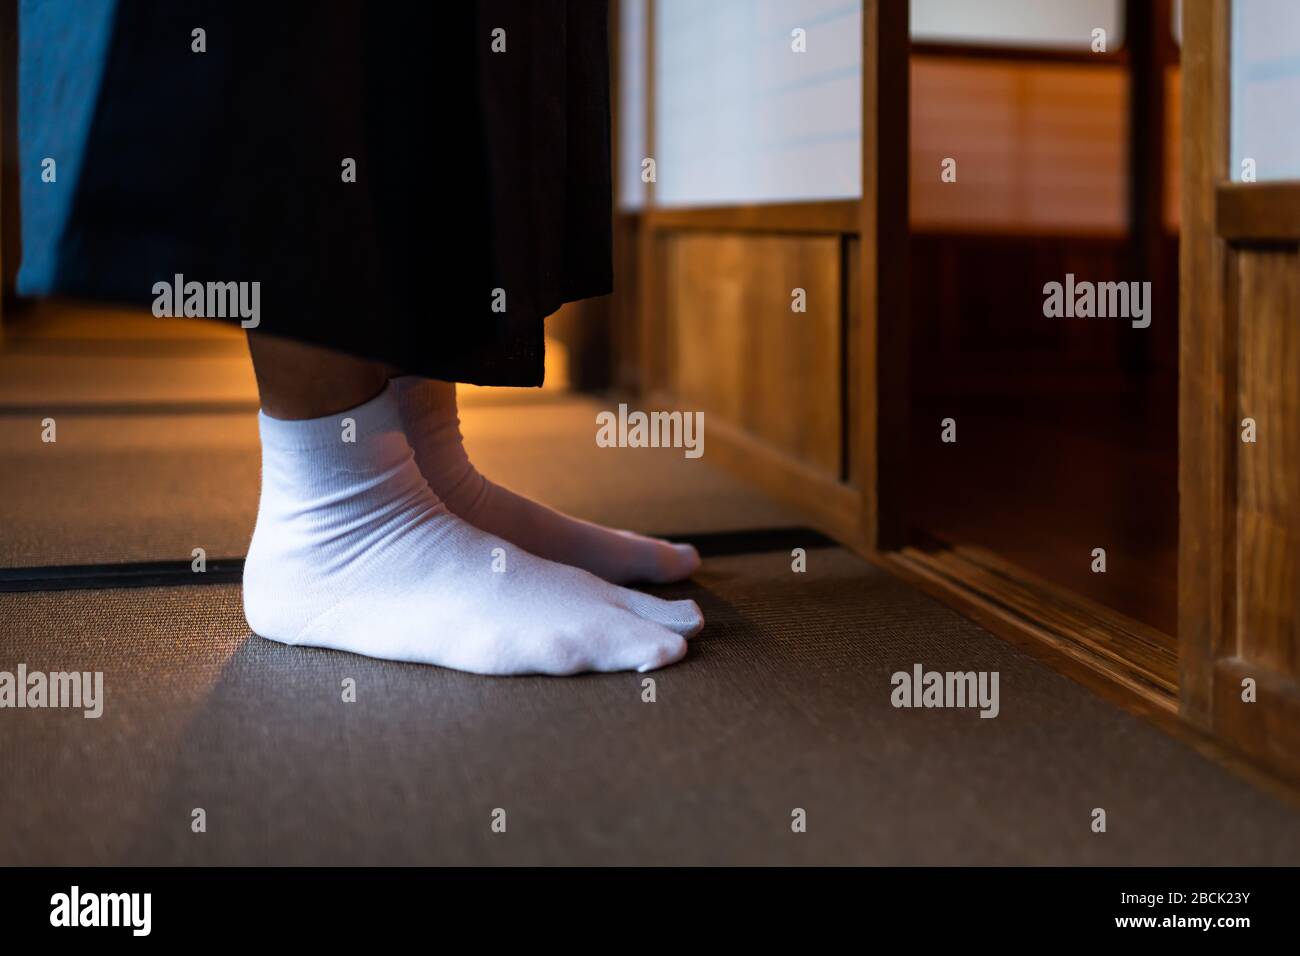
x,y
723,544
135,574
179,573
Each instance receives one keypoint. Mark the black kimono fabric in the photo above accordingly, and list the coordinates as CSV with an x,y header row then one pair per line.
x,y
482,176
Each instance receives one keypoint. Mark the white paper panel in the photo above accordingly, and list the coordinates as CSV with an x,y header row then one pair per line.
x,y
1266,87
740,117
1061,24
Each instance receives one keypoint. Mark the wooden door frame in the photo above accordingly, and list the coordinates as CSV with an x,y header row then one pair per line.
x,y
1207,366
879,336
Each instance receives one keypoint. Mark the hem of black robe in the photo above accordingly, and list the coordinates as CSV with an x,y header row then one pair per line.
x,y
521,364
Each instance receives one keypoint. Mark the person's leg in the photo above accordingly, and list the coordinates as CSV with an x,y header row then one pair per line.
x,y
354,551
432,425
296,380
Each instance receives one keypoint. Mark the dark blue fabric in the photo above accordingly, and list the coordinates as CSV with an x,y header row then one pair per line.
x,y
62,46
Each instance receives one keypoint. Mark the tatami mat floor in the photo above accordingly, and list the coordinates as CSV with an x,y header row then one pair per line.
x,y
783,704
156,454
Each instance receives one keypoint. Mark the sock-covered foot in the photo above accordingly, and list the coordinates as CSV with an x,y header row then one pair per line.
x,y
354,551
433,428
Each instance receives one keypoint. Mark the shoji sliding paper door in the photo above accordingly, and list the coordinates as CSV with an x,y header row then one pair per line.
x,y
750,143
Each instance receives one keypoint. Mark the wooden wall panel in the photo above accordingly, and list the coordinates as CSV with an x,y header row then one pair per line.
x,y
741,354
1039,146
978,323
1268,471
